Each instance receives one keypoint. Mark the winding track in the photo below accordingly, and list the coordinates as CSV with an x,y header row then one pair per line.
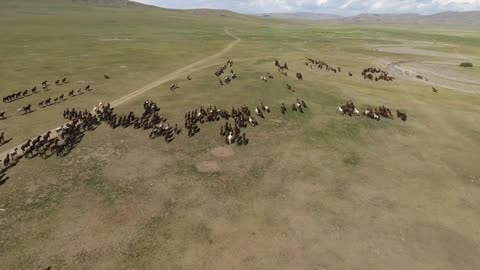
x,y
198,65
177,73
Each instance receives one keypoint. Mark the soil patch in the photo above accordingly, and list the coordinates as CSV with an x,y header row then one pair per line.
x,y
224,151
208,167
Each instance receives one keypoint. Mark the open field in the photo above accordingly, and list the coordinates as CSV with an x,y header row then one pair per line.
x,y
317,190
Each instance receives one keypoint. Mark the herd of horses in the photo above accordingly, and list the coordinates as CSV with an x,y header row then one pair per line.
x,y
47,102
44,103
370,74
48,144
63,139
60,141
25,93
221,70
372,112
322,65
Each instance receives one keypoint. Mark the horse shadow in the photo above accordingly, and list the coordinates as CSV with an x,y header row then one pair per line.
x,y
6,141
29,112
3,179
76,141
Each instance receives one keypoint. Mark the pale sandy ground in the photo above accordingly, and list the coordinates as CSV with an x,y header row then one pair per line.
x,y
441,70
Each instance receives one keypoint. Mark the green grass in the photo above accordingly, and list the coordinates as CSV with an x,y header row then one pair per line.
x,y
158,210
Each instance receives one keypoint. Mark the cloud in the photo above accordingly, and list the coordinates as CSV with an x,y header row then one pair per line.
x,y
341,7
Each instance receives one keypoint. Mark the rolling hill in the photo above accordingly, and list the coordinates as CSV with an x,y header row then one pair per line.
x,y
301,16
468,19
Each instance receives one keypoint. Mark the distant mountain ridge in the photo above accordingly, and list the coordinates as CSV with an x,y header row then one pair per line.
x,y
302,16
126,3
110,2
464,18
470,19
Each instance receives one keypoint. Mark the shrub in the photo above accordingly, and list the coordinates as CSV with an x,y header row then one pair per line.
x,y
466,64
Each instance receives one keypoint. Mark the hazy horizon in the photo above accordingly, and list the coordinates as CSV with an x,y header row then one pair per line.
x,y
337,7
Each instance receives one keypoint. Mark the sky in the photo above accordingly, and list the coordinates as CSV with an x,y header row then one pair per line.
x,y
339,7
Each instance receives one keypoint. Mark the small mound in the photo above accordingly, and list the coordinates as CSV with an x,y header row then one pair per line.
x,y
224,151
208,167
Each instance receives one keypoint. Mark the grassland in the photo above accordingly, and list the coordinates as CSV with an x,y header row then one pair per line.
x,y
311,191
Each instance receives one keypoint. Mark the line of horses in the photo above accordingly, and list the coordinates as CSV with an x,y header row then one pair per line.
x,y
25,93
372,112
321,65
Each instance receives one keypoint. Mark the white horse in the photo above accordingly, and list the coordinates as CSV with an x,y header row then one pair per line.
x,y
230,138
257,111
13,154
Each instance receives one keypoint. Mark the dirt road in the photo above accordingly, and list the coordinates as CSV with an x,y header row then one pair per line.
x,y
205,62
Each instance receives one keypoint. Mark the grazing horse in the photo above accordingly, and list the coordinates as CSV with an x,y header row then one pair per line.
x,y
289,87
435,90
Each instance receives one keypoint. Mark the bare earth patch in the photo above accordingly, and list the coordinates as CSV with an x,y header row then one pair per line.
x,y
115,39
84,82
224,151
208,166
